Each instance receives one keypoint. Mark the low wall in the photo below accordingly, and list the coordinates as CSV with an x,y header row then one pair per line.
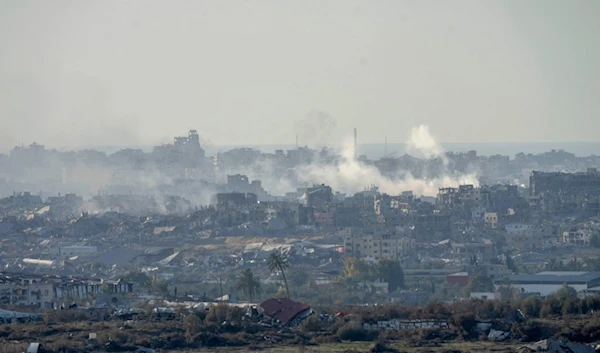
x,y
405,325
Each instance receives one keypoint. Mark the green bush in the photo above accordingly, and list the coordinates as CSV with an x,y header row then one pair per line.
x,y
311,324
353,331
551,307
466,324
531,306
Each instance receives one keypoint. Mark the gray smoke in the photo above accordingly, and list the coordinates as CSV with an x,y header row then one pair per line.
x,y
349,175
316,129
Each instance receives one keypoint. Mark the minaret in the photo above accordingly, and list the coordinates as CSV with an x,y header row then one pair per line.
x,y
386,151
355,146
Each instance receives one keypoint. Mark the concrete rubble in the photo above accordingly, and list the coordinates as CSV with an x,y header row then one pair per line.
x,y
557,347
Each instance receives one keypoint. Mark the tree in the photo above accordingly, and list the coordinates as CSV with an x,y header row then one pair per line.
x,y
592,264
278,262
554,265
510,263
359,270
507,292
479,283
446,292
574,265
390,271
161,287
349,284
248,284
351,267
157,285
566,292
531,306
192,325
280,293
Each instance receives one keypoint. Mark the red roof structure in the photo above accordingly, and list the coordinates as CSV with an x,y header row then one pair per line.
x,y
283,309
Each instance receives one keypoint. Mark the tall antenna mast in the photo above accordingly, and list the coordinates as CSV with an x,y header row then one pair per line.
x,y
355,145
386,152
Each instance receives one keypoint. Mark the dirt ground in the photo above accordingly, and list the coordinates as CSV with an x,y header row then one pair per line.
x,y
360,347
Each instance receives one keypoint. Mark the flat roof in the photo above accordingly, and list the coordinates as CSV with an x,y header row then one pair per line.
x,y
554,277
459,274
562,273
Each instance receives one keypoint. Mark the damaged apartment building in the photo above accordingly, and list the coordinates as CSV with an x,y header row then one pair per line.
x,y
558,192
378,243
46,291
492,204
235,208
407,210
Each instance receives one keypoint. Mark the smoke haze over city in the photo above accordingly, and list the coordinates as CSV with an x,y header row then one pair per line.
x,y
299,176
107,73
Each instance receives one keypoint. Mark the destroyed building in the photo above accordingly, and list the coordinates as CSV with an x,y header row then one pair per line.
x,y
43,291
285,311
566,192
378,244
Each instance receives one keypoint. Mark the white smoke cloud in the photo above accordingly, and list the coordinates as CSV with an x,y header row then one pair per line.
x,y
350,175
344,173
422,144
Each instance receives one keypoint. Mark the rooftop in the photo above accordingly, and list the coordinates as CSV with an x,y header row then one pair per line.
x,y
556,277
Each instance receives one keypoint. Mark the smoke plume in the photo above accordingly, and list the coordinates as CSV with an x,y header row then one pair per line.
x,y
350,175
422,144
315,129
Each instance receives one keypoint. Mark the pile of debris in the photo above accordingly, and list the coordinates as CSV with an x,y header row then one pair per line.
x,y
285,311
556,347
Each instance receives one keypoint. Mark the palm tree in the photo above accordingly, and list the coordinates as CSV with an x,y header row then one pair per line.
x,y
351,267
278,262
248,284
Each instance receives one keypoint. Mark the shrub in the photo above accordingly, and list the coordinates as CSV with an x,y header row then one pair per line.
x,y
551,307
352,331
435,310
252,328
66,316
466,324
571,306
591,303
529,331
311,324
218,313
531,306
381,347
173,340
8,347
591,329
192,325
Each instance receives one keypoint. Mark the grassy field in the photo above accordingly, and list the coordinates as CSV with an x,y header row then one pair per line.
x,y
479,347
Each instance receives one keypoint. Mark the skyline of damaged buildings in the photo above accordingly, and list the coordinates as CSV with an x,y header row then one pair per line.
x,y
183,169
183,217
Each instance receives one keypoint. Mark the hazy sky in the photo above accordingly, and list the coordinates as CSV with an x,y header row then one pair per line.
x,y
98,73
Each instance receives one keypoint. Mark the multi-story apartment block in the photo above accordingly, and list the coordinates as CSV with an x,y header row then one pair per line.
x,y
378,245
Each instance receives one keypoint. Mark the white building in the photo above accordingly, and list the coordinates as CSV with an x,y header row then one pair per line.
x,y
548,282
491,219
26,293
378,246
579,237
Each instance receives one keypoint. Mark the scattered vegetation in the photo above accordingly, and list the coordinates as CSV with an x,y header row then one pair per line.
x,y
562,316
